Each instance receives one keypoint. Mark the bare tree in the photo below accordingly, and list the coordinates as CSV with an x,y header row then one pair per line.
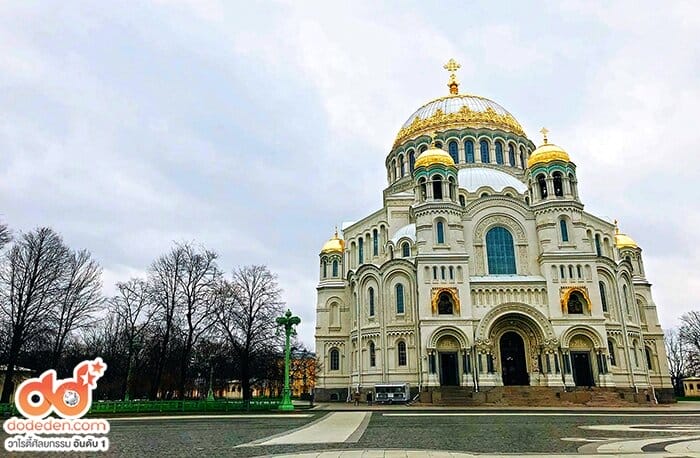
x,y
133,307
690,330
30,284
5,235
246,314
678,358
198,281
79,299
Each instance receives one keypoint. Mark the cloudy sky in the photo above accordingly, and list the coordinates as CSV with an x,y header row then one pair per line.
x,y
254,127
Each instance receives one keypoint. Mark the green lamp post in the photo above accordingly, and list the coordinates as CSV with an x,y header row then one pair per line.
x,y
287,321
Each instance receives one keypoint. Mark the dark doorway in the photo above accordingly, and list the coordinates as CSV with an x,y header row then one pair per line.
x,y
583,375
513,360
448,369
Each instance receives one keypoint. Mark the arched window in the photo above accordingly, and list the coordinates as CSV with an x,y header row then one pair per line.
x,y
611,350
445,306
375,242
402,166
399,299
372,355
437,187
603,296
422,148
452,147
452,273
335,359
636,357
401,350
499,153
434,272
575,304
542,183
556,181
598,248
562,272
462,201
371,301
511,155
335,267
469,151
647,353
411,160
484,149
627,301
564,230
406,250
423,189
325,269
451,185
500,252
360,251
442,272
522,158
440,231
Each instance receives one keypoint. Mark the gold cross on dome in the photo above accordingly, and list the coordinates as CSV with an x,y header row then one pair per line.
x,y
452,66
544,131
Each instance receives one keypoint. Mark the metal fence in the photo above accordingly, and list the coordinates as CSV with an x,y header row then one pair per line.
x,y
227,405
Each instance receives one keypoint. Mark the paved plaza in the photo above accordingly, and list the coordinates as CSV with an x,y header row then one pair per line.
x,y
412,432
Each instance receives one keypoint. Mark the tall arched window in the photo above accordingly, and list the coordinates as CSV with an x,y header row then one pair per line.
x,y
598,248
434,273
452,147
372,355
462,201
564,230
399,299
440,231
611,350
469,151
437,187
484,149
401,350
402,166
499,153
603,296
647,353
636,356
451,187
558,187
499,251
335,359
406,250
325,269
627,301
542,183
360,251
522,159
375,242
423,189
371,301
511,155
411,160
335,267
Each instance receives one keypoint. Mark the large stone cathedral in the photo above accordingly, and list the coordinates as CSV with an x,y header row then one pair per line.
x,y
482,270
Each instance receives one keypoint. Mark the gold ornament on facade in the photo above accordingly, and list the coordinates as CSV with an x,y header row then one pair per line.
x,y
547,152
567,292
623,240
334,245
464,118
436,292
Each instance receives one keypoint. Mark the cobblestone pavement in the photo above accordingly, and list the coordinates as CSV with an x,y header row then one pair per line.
x,y
410,433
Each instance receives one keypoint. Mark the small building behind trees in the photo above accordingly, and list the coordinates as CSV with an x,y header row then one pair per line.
x,y
691,386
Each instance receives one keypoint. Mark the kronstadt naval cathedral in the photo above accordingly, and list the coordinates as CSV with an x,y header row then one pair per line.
x,y
483,270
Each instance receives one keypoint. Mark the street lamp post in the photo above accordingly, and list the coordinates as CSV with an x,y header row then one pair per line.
x,y
288,321
210,394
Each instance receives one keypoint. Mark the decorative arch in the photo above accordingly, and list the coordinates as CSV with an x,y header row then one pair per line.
x,y
504,220
487,322
587,331
453,295
451,331
566,294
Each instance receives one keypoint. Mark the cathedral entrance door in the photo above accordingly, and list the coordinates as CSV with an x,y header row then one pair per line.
x,y
513,359
583,376
448,369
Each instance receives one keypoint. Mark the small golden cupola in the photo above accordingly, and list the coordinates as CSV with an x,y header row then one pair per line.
x,y
434,155
334,245
547,152
623,240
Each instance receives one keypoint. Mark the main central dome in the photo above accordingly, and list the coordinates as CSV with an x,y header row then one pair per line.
x,y
458,111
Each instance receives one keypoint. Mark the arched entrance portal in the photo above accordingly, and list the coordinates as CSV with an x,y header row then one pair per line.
x,y
513,359
448,349
581,350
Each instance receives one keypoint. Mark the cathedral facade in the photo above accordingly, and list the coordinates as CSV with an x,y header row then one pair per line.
x,y
483,270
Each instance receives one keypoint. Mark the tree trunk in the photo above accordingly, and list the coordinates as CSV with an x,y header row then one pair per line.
x,y
8,385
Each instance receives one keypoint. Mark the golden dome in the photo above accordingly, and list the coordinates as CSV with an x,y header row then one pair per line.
x,y
334,245
547,152
434,155
623,240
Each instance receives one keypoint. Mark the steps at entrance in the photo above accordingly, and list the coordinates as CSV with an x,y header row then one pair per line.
x,y
456,396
